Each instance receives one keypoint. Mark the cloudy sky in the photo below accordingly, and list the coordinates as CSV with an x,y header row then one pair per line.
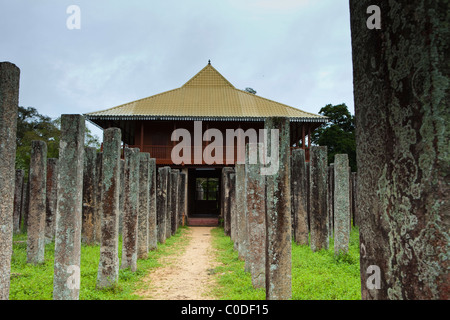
x,y
296,52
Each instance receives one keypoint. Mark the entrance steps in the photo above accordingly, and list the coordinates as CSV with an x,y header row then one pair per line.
x,y
203,221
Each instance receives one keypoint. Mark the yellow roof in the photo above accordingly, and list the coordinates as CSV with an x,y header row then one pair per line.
x,y
207,95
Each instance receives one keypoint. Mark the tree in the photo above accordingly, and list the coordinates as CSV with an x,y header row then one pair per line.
x,y
339,133
31,125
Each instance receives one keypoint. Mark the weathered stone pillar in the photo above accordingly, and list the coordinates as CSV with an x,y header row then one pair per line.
x,y
318,198
66,280
18,191
299,195
152,225
225,201
89,199
25,205
51,199
256,216
308,192
98,199
278,213
401,89
122,194
182,197
169,206
144,205
174,174
36,215
232,209
161,202
9,99
330,206
108,267
130,216
354,201
341,204
241,204
350,197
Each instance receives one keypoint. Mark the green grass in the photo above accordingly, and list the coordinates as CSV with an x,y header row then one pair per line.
x,y
29,282
315,275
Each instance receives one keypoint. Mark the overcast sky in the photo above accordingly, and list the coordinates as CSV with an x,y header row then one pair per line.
x,y
296,52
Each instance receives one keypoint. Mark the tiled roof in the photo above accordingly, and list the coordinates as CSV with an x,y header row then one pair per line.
x,y
207,95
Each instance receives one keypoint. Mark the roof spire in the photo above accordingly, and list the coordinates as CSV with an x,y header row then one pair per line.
x,y
209,61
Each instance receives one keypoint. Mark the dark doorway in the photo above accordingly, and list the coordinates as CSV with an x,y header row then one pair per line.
x,y
204,192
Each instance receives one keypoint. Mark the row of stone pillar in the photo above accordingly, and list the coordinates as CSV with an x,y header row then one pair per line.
x,y
170,202
78,199
258,209
322,207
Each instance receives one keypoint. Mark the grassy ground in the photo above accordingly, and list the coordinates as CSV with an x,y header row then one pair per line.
x,y
29,282
315,275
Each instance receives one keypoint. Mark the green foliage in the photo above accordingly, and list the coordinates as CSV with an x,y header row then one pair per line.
x,y
29,282
315,275
234,282
339,134
31,125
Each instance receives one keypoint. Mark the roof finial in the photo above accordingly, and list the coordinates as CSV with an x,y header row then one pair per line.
x,y
209,61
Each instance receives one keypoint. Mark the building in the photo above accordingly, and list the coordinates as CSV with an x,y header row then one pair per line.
x,y
206,101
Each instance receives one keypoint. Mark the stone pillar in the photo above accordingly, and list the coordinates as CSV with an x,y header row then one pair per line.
x,y
122,194
18,191
174,174
350,198
318,198
341,204
241,203
66,280
25,204
89,199
401,89
182,197
161,202
180,210
108,267
98,199
144,205
353,200
169,206
152,225
232,209
308,198
51,199
278,214
36,215
330,206
225,202
256,216
299,195
130,216
9,99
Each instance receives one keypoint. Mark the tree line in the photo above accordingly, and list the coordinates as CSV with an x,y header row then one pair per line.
x,y
31,125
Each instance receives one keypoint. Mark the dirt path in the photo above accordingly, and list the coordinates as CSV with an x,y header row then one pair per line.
x,y
185,276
